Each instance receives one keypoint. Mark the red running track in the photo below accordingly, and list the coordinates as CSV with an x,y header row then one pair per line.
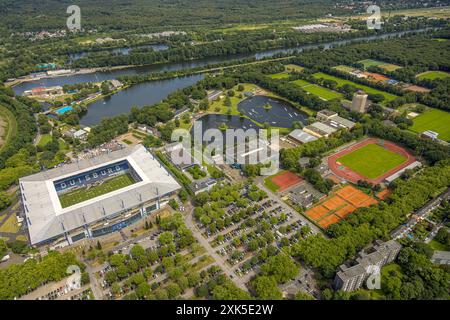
x,y
349,175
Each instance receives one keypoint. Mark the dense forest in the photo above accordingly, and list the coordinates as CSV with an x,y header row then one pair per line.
x,y
25,15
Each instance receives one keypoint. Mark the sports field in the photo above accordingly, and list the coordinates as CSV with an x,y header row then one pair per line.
x,y
383,65
344,68
282,181
84,194
435,120
339,205
388,96
321,92
371,63
371,161
431,75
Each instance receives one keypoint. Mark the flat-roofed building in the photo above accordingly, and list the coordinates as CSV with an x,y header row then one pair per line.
x,y
301,136
325,115
415,164
351,277
441,257
319,129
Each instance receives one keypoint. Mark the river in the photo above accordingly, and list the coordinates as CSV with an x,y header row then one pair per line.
x,y
154,91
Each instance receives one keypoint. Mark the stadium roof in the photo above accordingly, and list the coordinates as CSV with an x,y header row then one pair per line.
x,y
47,219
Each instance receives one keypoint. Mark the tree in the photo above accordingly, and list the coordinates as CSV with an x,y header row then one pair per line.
x,y
266,288
442,236
3,248
173,290
303,296
281,267
166,238
143,290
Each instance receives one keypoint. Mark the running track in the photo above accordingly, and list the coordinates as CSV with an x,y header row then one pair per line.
x,y
352,176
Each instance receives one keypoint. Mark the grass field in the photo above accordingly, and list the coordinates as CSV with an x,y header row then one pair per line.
x,y
435,120
80,195
344,68
321,92
431,75
272,186
390,67
301,83
8,126
371,161
45,138
435,245
10,225
388,97
294,67
371,63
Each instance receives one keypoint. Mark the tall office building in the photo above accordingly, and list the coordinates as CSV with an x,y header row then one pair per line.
x,y
359,102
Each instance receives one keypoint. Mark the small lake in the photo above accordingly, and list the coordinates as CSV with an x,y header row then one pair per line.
x,y
139,95
281,113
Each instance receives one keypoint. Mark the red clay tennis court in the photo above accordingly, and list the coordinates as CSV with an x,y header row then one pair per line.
x,y
326,222
286,180
339,205
384,194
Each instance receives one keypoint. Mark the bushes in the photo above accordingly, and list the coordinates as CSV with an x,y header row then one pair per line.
x,y
18,280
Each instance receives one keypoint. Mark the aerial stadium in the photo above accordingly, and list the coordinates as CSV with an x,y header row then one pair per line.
x,y
94,197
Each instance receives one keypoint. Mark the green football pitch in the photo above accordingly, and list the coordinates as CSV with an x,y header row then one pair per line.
x,y
321,92
84,194
371,161
435,120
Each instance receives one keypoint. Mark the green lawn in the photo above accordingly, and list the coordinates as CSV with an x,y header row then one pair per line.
x,y
435,245
388,96
80,195
390,67
344,68
321,92
301,83
45,138
8,126
435,120
371,161
433,75
272,186
371,63
294,67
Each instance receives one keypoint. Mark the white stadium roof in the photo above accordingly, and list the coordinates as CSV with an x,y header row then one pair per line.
x,y
47,219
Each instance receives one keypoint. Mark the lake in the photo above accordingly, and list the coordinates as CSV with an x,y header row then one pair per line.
x,y
281,114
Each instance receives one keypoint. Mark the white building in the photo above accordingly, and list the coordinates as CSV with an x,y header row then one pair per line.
x,y
50,221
